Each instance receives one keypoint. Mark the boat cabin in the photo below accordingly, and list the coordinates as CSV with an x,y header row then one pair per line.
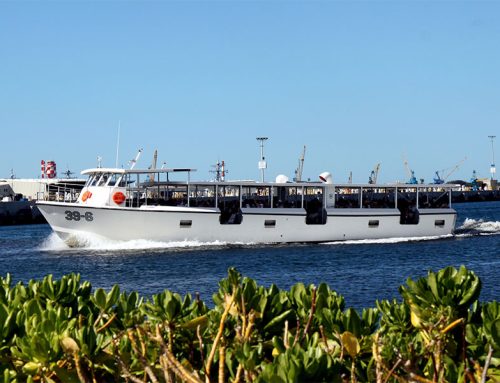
x,y
155,188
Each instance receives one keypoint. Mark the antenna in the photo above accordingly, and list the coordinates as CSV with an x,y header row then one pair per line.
x,y
118,143
492,168
99,160
262,162
220,171
300,168
68,172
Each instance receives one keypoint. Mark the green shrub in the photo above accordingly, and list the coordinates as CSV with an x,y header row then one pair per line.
x,y
61,331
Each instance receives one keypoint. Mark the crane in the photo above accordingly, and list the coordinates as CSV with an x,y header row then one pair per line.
x,y
134,161
300,167
374,174
153,166
475,183
441,180
411,173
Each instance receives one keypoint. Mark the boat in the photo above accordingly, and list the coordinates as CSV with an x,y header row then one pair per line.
x,y
166,205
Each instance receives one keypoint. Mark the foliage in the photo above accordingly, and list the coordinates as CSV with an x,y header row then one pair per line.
x,y
62,331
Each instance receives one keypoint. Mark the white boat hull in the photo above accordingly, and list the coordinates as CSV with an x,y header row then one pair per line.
x,y
166,223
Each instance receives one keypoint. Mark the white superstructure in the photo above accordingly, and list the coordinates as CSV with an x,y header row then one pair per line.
x,y
124,204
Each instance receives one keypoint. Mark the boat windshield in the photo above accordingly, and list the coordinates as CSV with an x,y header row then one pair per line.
x,y
95,179
89,180
103,179
113,179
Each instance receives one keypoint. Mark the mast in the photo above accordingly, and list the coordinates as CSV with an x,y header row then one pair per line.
x,y
118,143
300,168
262,162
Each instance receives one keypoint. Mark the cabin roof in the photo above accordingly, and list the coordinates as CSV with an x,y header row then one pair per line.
x,y
259,184
135,171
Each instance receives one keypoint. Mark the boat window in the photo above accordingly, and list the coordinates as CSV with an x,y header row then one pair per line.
x,y
287,197
103,180
175,195
113,179
347,198
379,198
312,194
256,196
89,180
228,193
434,198
202,196
95,179
122,181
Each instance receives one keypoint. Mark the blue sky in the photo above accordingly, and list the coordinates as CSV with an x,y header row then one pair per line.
x,y
358,83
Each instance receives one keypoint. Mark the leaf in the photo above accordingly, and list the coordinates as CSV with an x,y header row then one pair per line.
x,y
298,292
350,343
278,319
352,322
63,284
69,345
112,296
432,282
31,368
472,293
194,323
495,333
48,286
415,319
100,298
278,345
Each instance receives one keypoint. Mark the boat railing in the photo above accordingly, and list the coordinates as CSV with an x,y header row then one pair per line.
x,y
287,196
67,192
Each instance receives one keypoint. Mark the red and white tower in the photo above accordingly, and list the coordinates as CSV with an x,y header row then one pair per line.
x,y
50,170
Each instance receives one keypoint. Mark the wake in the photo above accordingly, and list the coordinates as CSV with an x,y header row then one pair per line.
x,y
469,228
94,242
472,227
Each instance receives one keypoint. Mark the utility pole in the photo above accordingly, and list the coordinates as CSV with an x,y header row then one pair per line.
x,y
262,161
492,168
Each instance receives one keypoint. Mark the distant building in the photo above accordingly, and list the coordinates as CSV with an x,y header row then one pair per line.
x,y
42,189
6,192
490,184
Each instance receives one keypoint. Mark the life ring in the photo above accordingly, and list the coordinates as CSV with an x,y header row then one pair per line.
x,y
86,196
119,198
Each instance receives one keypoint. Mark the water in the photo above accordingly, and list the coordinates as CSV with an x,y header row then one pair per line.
x,y
362,271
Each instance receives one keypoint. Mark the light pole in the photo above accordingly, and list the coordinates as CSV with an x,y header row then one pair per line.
x,y
262,161
492,168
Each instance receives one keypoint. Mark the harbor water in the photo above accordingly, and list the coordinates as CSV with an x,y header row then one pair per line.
x,y
361,271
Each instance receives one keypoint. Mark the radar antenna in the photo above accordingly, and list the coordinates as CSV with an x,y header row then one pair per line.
x,y
68,173
220,171
300,168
